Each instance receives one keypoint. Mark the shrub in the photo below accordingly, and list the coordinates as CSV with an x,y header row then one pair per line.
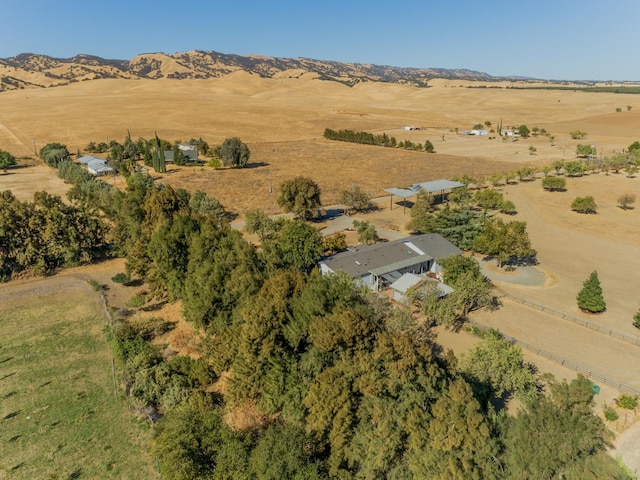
x,y
136,301
628,402
428,146
626,201
508,207
121,278
575,168
97,286
149,328
214,162
554,184
488,199
584,205
610,412
636,319
356,199
577,134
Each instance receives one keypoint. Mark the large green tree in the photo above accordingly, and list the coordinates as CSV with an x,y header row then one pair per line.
x,y
590,297
258,222
505,241
461,441
496,367
367,233
300,195
6,160
554,434
356,199
53,153
458,225
233,153
297,245
193,443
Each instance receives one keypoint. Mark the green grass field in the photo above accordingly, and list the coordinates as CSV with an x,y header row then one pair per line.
x,y
59,415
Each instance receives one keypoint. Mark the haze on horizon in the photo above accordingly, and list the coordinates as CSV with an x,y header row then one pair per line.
x,y
567,40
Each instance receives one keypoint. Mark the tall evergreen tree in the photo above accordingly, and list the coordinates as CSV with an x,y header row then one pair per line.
x,y
590,297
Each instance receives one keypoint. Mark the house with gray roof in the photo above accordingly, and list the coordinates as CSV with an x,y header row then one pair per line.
x,y
95,165
189,151
378,266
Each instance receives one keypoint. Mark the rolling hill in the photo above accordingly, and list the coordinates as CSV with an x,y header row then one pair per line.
x,y
29,70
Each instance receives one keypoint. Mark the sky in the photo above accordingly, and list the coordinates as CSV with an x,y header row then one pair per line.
x,y
559,39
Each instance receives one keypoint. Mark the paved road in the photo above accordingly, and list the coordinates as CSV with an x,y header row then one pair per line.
x,y
528,276
344,222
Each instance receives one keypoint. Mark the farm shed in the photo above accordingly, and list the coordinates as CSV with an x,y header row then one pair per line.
x,y
436,188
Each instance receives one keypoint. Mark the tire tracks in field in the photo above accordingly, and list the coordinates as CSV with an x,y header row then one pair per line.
x,y
4,130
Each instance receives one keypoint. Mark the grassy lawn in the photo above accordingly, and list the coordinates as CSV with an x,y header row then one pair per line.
x,y
59,415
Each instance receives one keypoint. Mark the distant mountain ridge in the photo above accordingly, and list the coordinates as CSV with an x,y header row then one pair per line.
x,y
29,70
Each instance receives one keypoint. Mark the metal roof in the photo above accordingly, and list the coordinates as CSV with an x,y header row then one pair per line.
x,y
98,165
429,187
382,258
436,186
408,280
88,158
401,192
400,264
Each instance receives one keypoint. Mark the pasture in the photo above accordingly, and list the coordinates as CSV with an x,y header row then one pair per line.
x,y
60,416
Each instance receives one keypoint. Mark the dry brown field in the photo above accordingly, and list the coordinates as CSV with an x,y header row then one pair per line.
x,y
283,119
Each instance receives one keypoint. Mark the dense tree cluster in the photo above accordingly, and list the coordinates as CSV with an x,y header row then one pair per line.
x,y
123,156
46,234
460,226
53,153
383,140
360,137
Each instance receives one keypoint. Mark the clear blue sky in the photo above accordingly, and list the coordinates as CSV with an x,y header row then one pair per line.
x,y
559,39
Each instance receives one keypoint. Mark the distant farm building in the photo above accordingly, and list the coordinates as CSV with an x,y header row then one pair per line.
x,y
380,265
477,133
189,151
510,133
96,166
411,127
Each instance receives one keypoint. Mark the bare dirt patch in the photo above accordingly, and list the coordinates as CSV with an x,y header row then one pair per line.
x,y
26,179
